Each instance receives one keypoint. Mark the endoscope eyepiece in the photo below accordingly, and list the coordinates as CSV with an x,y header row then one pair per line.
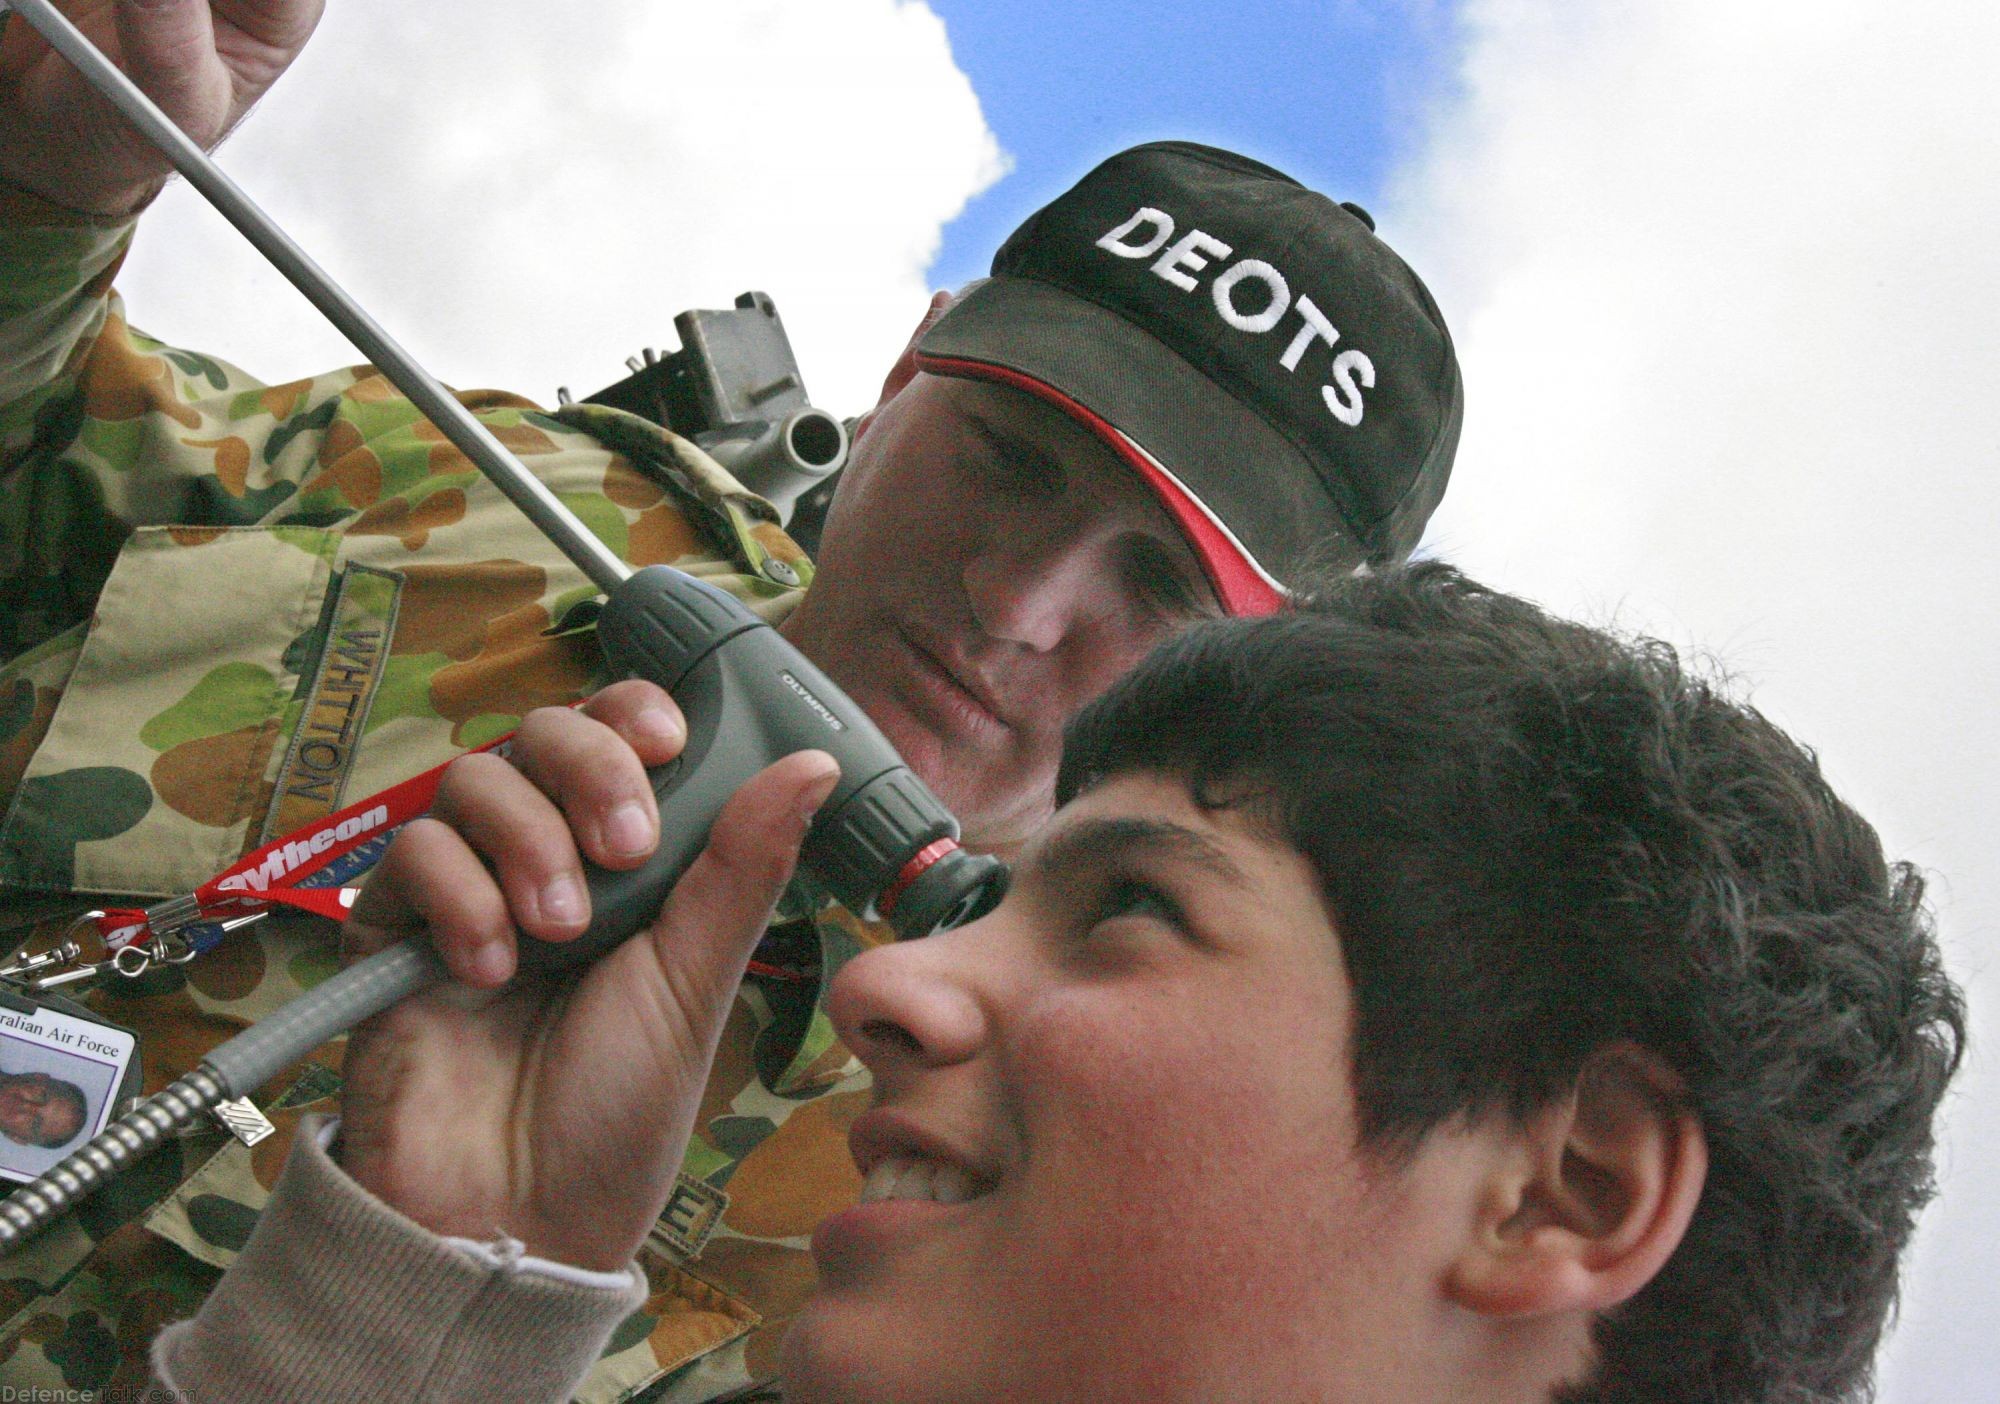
x,y
942,887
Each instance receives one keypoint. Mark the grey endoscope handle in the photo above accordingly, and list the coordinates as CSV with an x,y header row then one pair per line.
x,y
363,990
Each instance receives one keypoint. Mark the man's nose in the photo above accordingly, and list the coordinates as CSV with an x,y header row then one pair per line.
x,y
1034,585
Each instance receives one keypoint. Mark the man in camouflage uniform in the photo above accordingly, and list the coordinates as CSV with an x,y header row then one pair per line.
x,y
231,608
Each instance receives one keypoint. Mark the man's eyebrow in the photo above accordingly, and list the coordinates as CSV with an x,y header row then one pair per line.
x,y
1094,842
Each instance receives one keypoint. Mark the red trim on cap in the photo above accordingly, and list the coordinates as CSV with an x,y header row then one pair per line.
x,y
910,872
1242,586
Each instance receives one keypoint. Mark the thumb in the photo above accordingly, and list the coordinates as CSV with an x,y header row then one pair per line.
x,y
718,910
170,51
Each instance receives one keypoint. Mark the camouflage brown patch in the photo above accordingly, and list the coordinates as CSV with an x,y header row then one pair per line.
x,y
628,487
523,439
516,671
121,382
232,461
661,536
411,525
342,439
231,971
19,747
283,401
800,1173
450,609
195,536
373,388
354,474
213,780
774,1279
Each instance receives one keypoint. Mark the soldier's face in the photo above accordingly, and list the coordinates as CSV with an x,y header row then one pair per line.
x,y
988,567
1134,1080
31,1115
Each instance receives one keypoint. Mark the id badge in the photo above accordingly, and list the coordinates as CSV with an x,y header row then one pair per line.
x,y
63,1074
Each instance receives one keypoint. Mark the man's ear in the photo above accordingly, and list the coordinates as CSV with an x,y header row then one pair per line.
x,y
905,369
1590,1197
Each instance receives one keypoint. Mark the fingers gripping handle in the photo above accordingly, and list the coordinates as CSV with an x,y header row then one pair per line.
x,y
749,698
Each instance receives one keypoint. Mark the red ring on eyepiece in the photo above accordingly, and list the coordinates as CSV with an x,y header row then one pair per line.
x,y
911,871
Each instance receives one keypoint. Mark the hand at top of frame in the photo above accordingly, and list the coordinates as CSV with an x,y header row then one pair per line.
x,y
205,62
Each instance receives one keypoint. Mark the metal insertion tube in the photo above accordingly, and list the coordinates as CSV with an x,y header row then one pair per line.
x,y
234,1069
130,1138
457,424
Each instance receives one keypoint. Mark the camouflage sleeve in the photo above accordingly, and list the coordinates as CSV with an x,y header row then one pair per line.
x,y
55,293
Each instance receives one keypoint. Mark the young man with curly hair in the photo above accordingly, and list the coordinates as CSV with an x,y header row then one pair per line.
x,y
1503,1012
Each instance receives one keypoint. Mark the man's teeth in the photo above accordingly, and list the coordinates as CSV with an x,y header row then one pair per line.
x,y
908,1177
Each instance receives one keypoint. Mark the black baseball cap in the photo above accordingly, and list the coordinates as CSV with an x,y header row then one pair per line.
x,y
1269,366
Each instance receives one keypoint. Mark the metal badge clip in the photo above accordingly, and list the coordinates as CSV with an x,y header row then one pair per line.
x,y
26,965
241,1119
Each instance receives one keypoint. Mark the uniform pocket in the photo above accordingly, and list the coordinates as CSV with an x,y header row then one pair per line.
x,y
155,761
239,683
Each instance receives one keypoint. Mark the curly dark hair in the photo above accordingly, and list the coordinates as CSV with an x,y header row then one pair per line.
x,y
1537,839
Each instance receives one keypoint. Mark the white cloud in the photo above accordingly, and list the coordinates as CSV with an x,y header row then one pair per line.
x,y
1727,293
524,196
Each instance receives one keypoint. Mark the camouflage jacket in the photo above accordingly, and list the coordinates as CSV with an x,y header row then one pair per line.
x,y
226,608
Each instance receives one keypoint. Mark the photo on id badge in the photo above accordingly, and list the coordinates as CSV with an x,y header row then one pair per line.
x,y
59,1078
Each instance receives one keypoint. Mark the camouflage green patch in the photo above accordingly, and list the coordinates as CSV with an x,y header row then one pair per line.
x,y
113,440
310,539
214,505
819,1038
308,968
52,814
228,698
605,521
377,419
405,690
86,1352
58,420
193,363
58,539
490,726
777,1047
574,611
407,468
737,1136
703,1161
222,1222
313,422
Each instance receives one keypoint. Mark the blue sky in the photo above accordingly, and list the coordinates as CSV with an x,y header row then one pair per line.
x,y
1331,93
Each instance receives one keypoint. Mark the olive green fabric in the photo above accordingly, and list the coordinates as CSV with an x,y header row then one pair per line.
x,y
223,603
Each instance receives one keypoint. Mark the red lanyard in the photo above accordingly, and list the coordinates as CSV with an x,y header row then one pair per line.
x,y
309,868
316,868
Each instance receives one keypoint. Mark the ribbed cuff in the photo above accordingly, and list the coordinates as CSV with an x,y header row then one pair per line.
x,y
337,1297
22,207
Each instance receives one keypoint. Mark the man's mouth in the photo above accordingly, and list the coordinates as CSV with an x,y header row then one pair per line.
x,y
964,688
